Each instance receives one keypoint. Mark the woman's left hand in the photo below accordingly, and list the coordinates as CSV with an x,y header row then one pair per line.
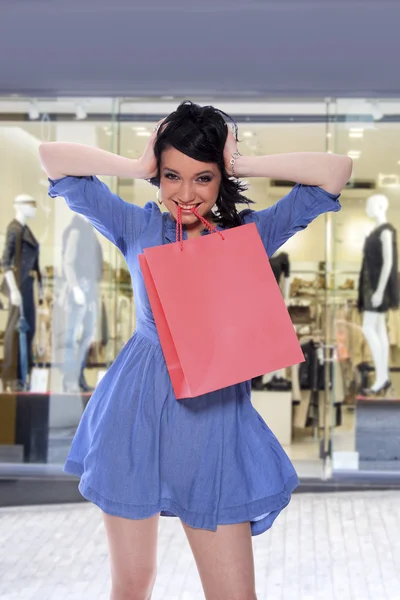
x,y
230,147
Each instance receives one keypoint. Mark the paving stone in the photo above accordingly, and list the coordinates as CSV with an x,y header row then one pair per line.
x,y
343,546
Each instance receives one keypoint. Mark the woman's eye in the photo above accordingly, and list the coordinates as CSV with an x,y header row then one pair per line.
x,y
203,179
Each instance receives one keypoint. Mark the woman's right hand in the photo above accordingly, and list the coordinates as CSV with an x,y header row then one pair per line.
x,y
147,163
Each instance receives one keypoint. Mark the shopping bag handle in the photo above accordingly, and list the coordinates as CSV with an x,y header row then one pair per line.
x,y
179,226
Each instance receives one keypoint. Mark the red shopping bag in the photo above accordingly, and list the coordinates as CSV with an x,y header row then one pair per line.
x,y
218,309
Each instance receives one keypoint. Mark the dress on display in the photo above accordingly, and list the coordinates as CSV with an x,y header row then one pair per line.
x,y
371,269
208,460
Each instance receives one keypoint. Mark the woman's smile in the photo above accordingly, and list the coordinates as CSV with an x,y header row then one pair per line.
x,y
187,208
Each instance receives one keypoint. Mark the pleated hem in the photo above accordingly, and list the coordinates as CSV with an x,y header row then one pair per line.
x,y
271,506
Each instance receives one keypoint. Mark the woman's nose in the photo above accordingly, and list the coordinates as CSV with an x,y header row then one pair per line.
x,y
186,193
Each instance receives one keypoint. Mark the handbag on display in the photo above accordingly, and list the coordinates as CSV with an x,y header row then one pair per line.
x,y
218,309
299,314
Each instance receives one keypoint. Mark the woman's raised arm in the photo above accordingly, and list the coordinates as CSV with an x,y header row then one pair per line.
x,y
60,159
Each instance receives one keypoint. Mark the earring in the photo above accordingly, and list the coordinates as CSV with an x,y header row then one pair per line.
x,y
158,197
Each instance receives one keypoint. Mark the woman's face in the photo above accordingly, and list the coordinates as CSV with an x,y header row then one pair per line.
x,y
187,182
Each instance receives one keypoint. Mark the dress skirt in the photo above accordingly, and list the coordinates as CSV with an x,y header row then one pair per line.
x,y
209,460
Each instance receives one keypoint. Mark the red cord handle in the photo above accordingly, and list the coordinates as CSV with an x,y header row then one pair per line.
x,y
179,226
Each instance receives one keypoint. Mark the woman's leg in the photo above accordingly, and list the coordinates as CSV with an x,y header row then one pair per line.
x,y
224,559
132,547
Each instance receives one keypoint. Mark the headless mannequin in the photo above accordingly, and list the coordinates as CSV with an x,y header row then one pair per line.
x,y
374,323
82,266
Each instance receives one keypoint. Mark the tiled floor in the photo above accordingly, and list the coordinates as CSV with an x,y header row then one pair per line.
x,y
329,546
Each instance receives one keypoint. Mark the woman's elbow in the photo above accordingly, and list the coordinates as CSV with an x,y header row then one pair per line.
x,y
46,155
347,168
340,173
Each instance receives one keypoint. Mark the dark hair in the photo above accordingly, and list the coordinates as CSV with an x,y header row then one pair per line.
x,y
200,132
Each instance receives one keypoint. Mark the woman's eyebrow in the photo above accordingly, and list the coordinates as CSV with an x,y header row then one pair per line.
x,y
197,174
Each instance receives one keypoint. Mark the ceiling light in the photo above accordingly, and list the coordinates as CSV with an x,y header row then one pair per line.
x,y
388,180
139,128
356,132
354,154
143,133
33,111
80,112
329,134
248,134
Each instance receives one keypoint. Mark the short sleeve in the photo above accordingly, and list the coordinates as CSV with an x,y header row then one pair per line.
x,y
292,213
119,221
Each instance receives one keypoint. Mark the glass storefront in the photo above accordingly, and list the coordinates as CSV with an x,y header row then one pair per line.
x,y
315,408
366,341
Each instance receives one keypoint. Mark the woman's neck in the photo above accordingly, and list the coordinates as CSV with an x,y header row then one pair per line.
x,y
195,229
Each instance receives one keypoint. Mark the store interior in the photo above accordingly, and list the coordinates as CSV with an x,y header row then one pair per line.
x,y
320,266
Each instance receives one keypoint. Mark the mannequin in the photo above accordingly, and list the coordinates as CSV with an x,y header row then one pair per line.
x,y
21,264
83,270
378,289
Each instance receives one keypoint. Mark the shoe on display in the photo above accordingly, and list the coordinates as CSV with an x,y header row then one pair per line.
x,y
278,384
381,391
347,285
71,387
84,386
14,385
257,384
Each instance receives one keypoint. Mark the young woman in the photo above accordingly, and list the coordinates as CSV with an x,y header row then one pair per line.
x,y
211,461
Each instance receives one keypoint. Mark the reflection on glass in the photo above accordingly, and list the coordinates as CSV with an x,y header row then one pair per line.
x,y
82,270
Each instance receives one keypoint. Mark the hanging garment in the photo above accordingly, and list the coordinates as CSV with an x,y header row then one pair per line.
x,y
371,269
312,370
280,266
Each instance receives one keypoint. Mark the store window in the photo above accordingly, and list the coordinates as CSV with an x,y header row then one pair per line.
x,y
366,320
57,316
83,318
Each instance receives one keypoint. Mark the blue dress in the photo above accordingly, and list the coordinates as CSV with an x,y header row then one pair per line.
x,y
138,451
